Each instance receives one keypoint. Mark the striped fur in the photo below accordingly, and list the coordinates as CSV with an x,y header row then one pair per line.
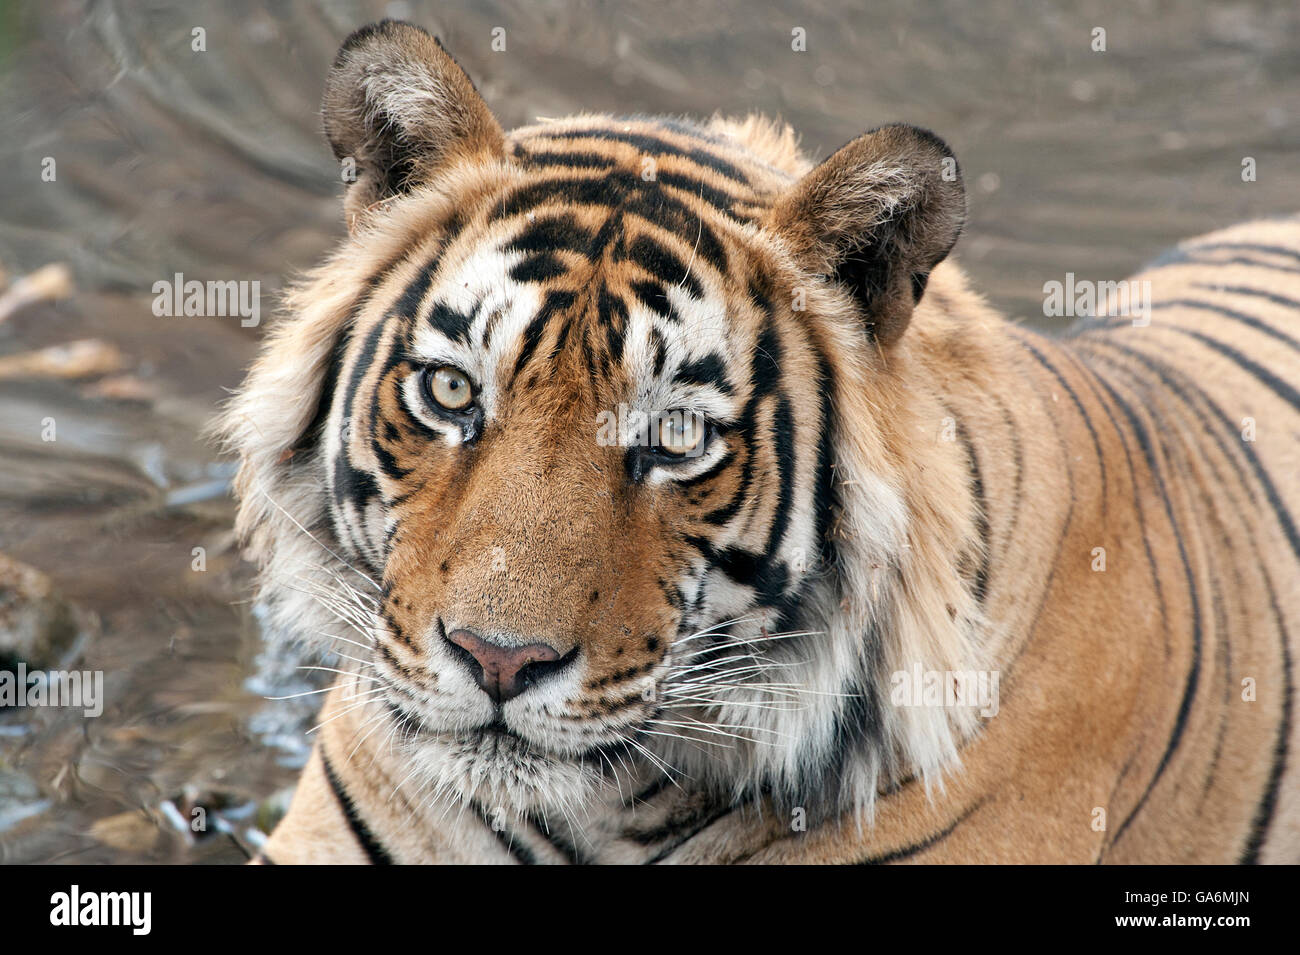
x,y
896,476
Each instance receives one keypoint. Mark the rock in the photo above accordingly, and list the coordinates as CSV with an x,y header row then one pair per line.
x,y
17,787
273,808
127,388
47,284
127,831
37,627
84,358
20,798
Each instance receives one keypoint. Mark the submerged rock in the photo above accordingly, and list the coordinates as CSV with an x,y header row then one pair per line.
x,y
84,358
37,627
134,831
20,798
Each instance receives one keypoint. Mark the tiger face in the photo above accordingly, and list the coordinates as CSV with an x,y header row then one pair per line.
x,y
571,450
575,432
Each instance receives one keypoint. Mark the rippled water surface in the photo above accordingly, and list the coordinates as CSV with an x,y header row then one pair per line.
x,y
209,163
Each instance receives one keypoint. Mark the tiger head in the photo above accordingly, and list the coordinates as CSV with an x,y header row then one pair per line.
x,y
595,445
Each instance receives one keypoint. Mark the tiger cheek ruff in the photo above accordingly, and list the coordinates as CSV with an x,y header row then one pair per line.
x,y
637,464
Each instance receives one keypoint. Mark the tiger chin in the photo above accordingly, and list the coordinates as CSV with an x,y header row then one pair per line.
x,y
657,495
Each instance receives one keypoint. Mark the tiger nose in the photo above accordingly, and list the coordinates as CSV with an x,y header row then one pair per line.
x,y
505,672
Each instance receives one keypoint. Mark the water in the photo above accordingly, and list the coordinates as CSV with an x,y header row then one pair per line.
x,y
209,162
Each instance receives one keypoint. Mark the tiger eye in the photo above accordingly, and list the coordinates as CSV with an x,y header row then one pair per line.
x,y
681,433
450,388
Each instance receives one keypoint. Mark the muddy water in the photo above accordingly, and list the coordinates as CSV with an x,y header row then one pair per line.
x,y
207,162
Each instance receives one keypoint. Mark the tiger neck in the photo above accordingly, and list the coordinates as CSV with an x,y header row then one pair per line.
x,y
1010,435
983,456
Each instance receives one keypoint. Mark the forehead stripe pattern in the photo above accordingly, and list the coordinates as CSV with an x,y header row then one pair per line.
x,y
623,193
644,224
654,146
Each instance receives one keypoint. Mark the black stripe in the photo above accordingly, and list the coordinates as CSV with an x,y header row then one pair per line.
x,y
1236,260
622,193
1213,504
659,784
550,233
1276,299
1087,419
351,484
388,461
1018,459
915,848
653,297
1246,247
408,303
330,383
1189,393
362,364
1181,254
452,323
577,160
518,851
766,373
663,264
1268,804
1194,671
1094,381
661,350
824,494
538,268
698,825
783,441
1275,384
611,314
981,584
708,370
554,302
1249,320
722,201
1084,326
372,847
653,146
718,466
542,829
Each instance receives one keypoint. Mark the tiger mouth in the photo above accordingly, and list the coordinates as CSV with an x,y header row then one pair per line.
x,y
497,736
497,741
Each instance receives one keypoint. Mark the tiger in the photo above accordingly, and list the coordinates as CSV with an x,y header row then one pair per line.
x,y
653,494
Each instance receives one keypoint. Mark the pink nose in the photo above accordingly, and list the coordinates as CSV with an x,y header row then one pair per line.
x,y
505,672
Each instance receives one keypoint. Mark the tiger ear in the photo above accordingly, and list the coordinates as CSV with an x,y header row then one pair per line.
x,y
876,217
399,107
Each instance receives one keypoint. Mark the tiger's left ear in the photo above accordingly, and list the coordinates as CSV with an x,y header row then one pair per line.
x,y
876,217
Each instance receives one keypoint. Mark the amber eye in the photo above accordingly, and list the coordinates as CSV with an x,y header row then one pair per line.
x,y
681,433
449,387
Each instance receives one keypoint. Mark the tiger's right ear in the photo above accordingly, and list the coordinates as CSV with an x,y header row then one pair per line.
x,y
400,108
